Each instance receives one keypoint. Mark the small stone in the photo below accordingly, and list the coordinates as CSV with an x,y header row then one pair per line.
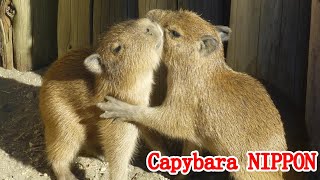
x,y
30,95
103,169
30,144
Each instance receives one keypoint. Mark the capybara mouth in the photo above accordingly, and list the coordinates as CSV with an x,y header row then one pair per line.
x,y
159,44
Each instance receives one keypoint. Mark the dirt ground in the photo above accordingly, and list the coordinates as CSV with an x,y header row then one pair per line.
x,y
22,149
22,153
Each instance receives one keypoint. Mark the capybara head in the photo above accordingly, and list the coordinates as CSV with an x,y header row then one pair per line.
x,y
128,47
188,36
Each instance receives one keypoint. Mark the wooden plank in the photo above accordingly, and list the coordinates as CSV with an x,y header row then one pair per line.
x,y
6,45
284,80
44,32
22,33
146,5
292,65
211,10
301,64
34,33
97,14
109,12
313,86
245,35
74,28
183,4
231,59
133,9
269,39
269,42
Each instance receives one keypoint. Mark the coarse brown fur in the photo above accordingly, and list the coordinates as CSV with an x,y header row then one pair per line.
x,y
207,103
122,65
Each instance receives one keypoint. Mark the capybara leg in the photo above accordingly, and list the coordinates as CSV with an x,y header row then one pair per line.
x,y
118,143
62,147
62,170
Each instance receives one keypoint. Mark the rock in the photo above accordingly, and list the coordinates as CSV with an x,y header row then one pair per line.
x,y
103,169
44,174
30,95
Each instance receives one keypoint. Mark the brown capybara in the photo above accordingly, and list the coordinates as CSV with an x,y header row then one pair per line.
x,y
122,65
210,105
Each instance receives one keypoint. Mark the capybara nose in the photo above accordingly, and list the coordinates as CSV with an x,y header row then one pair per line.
x,y
154,30
149,30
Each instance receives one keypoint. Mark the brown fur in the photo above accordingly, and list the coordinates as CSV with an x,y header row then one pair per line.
x,y
71,88
207,103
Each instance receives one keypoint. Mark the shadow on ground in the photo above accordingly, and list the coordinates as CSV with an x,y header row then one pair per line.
x,y
21,131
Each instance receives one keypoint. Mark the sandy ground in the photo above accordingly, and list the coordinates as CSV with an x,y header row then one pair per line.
x,y
22,153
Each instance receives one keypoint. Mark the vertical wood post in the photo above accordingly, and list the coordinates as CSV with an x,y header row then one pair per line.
x,y
244,22
22,35
7,13
34,33
44,32
108,12
313,85
74,25
215,11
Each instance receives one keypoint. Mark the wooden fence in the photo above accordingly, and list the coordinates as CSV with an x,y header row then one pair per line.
x,y
97,15
42,29
34,33
270,41
313,87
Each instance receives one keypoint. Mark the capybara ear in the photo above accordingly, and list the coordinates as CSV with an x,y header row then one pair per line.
x,y
156,14
93,63
207,45
224,32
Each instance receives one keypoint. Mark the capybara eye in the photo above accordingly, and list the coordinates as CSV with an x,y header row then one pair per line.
x,y
117,49
175,33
